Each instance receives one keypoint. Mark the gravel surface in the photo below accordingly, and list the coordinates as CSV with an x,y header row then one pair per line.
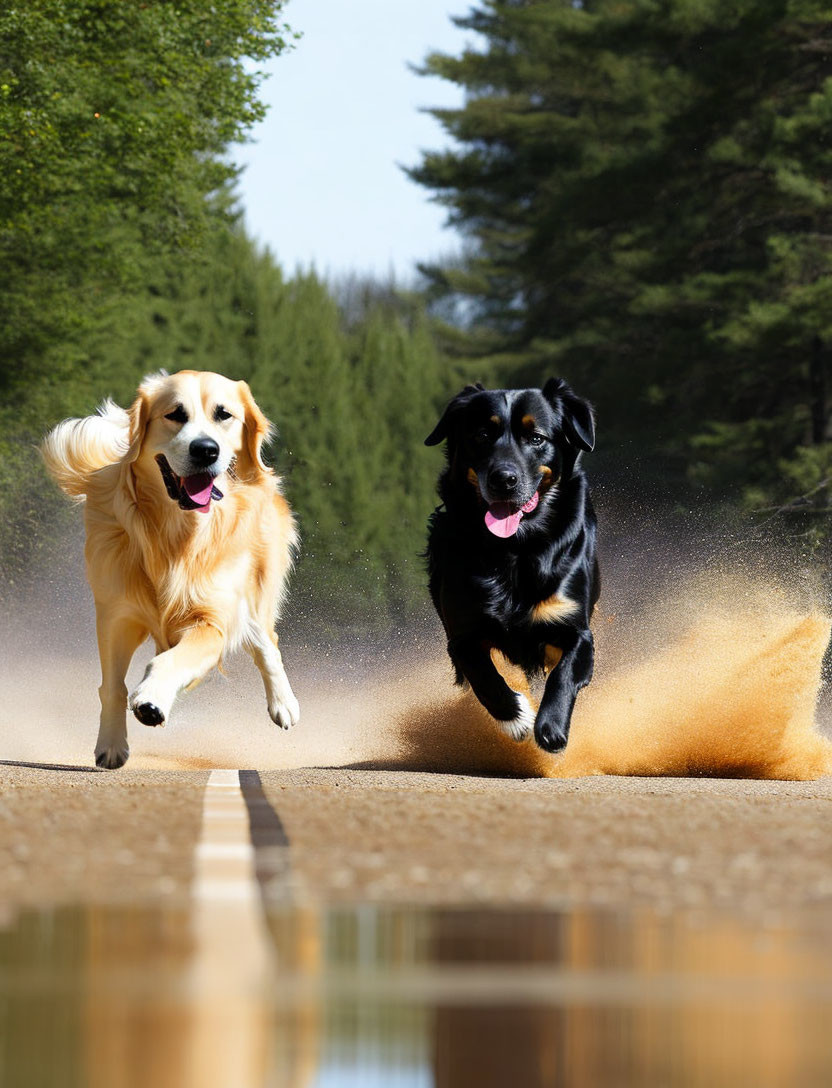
x,y
83,836
755,848
759,849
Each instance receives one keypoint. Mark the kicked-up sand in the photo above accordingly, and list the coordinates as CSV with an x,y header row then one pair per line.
x,y
722,680
734,695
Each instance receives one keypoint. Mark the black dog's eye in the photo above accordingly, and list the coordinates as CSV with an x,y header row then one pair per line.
x,y
487,434
178,415
221,413
537,439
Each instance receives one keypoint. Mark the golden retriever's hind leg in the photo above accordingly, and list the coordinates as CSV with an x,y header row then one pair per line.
x,y
118,640
199,650
283,706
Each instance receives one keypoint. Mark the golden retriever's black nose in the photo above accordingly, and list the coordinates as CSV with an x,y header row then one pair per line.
x,y
204,451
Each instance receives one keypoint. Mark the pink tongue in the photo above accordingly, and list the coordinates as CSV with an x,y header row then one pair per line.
x,y
501,521
198,488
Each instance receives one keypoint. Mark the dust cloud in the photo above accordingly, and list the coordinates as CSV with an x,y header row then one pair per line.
x,y
717,674
735,696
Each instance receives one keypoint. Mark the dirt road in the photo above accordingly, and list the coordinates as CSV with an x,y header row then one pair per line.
x,y
184,923
345,927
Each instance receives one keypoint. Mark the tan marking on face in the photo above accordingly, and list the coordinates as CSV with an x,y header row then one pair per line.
x,y
553,609
551,657
528,423
548,478
471,477
494,419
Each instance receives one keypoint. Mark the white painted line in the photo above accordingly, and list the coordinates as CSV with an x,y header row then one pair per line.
x,y
233,959
238,891
233,945
223,850
224,777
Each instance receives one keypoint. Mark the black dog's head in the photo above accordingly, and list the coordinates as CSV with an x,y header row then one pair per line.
x,y
512,447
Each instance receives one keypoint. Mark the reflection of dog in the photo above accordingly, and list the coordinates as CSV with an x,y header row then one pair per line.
x,y
512,554
189,541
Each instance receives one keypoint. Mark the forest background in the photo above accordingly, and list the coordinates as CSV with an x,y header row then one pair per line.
x,y
643,191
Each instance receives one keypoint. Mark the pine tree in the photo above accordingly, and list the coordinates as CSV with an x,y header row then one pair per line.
x,y
114,123
645,188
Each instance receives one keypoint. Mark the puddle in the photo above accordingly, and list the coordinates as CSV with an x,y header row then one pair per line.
x,y
390,997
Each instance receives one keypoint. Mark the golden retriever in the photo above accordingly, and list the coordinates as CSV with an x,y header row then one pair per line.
x,y
189,541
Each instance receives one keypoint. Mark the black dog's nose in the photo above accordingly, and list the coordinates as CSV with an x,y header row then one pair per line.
x,y
204,451
502,479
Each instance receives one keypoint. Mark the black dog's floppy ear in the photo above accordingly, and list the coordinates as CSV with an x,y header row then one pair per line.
x,y
578,420
440,431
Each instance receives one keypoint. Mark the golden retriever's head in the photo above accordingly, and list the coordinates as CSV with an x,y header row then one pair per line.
x,y
196,426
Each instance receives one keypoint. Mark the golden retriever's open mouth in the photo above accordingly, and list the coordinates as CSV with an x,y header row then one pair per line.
x,y
191,492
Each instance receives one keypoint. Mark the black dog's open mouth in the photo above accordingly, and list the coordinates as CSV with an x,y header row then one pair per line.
x,y
503,518
191,492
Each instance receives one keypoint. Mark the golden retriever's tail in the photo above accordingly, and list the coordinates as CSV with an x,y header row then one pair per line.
x,y
77,448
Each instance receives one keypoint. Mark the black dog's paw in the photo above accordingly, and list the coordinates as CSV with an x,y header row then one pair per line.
x,y
149,714
550,737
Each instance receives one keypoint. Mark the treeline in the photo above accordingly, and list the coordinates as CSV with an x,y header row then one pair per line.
x,y
646,192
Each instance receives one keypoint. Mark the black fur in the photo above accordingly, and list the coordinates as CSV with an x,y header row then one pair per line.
x,y
500,444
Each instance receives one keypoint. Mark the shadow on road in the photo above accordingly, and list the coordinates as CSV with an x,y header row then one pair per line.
x,y
51,766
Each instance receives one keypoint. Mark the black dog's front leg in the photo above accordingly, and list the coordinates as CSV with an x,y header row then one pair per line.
x,y
573,672
472,659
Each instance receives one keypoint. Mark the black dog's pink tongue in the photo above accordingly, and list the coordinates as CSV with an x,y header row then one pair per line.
x,y
503,519
198,489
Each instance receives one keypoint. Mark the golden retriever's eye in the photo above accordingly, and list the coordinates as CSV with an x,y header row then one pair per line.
x,y
178,415
221,414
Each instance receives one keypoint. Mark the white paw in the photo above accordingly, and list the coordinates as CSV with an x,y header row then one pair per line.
x,y
521,725
285,713
111,756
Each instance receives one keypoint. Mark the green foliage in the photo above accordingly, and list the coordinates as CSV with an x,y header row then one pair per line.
x,y
645,191
114,120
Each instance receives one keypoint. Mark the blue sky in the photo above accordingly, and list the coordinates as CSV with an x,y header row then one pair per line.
x,y
322,183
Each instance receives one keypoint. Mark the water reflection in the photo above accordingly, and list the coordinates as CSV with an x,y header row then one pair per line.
x,y
409,998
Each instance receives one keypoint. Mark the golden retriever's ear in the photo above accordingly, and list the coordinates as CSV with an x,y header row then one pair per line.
x,y
258,430
138,414
139,411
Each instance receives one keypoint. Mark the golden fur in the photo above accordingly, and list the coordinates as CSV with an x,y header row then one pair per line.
x,y
198,582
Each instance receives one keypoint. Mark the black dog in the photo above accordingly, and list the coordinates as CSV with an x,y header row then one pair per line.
x,y
511,552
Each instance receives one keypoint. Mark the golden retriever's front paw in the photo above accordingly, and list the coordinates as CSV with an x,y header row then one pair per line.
x,y
112,757
285,714
148,713
148,704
